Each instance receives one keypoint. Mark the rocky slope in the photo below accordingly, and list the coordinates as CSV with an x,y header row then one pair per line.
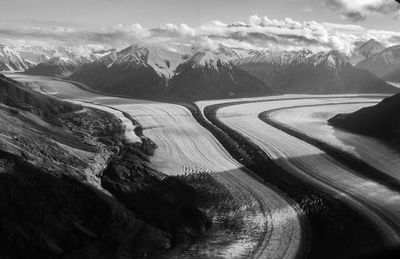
x,y
385,64
305,72
70,187
153,72
381,120
10,60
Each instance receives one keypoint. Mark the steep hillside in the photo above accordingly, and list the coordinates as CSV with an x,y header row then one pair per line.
x,y
15,95
381,120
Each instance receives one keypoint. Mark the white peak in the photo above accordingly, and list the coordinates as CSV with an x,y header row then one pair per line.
x,y
208,57
162,60
95,55
333,60
276,58
10,60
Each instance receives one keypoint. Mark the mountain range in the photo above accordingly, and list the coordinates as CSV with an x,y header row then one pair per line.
x,y
58,66
306,72
193,72
153,72
10,60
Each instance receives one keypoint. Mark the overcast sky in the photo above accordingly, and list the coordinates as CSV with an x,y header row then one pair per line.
x,y
152,13
109,22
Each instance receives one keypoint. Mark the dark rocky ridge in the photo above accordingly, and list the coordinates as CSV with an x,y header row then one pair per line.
x,y
44,216
381,120
165,202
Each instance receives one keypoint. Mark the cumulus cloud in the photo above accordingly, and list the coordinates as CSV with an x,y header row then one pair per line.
x,y
257,33
358,10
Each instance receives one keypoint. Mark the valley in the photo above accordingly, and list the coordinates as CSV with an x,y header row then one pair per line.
x,y
200,129
184,147
275,218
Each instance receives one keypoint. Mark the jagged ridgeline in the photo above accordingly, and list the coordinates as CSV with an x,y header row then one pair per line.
x,y
195,73
154,72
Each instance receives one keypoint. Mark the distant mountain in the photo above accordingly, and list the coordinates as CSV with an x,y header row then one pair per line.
x,y
381,120
234,53
154,72
136,71
364,50
101,53
58,66
305,72
265,65
10,60
210,74
33,57
370,48
385,64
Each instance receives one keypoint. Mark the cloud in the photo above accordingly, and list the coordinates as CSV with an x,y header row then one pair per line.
x,y
257,33
359,10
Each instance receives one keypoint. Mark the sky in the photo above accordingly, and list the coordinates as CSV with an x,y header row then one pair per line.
x,y
263,23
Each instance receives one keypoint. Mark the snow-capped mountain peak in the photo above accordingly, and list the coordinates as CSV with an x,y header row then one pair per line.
x,y
58,66
333,60
209,58
162,60
10,60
